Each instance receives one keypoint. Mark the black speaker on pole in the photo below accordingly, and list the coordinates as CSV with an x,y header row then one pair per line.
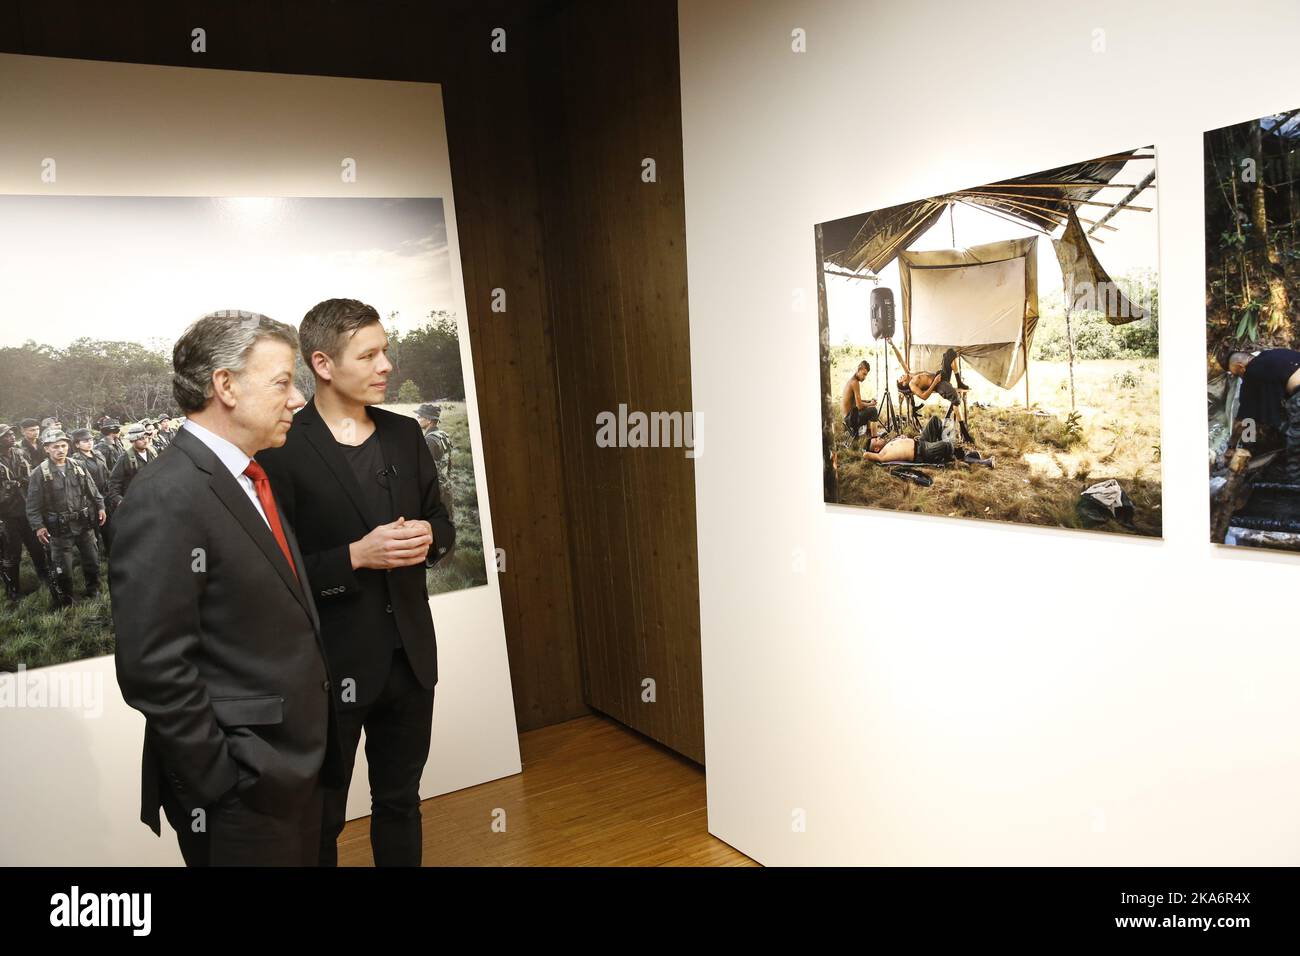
x,y
882,313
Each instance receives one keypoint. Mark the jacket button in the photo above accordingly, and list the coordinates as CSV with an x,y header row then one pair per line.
x,y
325,685
388,608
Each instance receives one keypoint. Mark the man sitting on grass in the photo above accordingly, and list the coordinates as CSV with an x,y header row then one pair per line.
x,y
929,449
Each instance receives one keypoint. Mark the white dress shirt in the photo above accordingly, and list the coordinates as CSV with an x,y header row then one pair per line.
x,y
231,456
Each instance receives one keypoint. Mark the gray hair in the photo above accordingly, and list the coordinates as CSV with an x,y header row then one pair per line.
x,y
219,340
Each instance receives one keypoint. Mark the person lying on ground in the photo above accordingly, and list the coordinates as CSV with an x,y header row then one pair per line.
x,y
857,412
930,449
942,388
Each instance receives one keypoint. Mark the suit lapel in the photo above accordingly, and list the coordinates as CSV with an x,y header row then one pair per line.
x,y
304,585
321,438
237,502
239,505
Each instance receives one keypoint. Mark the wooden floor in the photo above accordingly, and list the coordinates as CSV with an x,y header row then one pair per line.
x,y
592,793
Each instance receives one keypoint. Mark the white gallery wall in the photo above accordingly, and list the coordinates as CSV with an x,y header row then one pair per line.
x,y
70,783
1066,697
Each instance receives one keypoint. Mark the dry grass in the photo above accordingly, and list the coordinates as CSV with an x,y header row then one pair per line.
x,y
1040,466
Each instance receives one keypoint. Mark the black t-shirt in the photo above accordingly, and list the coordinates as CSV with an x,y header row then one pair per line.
x,y
1263,386
367,462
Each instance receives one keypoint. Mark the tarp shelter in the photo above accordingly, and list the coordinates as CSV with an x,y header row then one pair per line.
x,y
1087,286
864,244
870,241
981,300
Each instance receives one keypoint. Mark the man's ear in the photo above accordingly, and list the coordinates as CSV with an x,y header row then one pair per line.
x,y
321,365
223,387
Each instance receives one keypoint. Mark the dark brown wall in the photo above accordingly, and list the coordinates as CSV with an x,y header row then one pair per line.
x,y
546,146
492,137
609,98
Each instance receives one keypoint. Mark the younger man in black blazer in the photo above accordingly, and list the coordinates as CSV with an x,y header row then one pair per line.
x,y
360,489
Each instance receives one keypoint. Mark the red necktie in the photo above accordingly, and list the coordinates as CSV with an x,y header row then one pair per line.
x,y
262,485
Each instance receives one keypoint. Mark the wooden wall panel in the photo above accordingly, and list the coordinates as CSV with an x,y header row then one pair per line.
x,y
608,97
492,141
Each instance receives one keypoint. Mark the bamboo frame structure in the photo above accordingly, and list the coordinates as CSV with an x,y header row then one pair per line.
x,y
1128,198
1078,202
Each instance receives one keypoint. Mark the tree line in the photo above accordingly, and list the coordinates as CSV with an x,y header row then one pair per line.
x,y
130,381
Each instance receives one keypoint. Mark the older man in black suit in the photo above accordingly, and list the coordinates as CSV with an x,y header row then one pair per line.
x,y
218,641
361,488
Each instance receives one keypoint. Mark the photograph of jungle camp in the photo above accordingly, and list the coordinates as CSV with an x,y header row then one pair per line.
x,y
993,352
1252,336
96,290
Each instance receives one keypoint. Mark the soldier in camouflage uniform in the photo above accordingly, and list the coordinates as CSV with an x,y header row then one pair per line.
x,y
439,442
64,507
86,455
89,458
13,509
11,452
429,415
11,544
163,436
29,444
110,445
137,456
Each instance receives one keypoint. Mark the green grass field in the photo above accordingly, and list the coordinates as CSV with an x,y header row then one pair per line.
x,y
33,635
1041,463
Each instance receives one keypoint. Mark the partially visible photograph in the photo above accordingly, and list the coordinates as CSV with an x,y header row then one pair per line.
x,y
96,290
1252,212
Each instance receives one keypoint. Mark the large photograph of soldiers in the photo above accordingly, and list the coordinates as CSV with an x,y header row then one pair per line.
x,y
85,368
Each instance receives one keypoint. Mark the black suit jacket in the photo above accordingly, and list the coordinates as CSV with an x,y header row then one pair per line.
x,y
218,644
319,492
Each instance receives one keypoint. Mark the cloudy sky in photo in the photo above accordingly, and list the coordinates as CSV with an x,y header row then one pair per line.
x,y
141,269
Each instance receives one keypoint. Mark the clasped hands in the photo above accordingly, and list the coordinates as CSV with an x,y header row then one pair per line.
x,y
398,544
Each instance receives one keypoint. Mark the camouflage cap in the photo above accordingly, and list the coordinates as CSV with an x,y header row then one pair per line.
x,y
136,431
429,411
110,425
51,435
5,429
82,434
